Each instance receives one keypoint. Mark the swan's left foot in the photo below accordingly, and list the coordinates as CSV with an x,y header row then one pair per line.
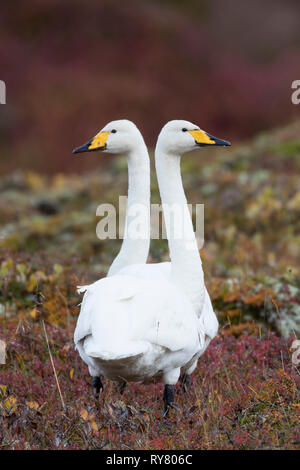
x,y
186,382
122,386
168,398
97,386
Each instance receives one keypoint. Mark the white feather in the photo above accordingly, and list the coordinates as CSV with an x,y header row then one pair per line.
x,y
148,321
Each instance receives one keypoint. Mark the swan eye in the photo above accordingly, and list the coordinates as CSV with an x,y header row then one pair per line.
x,y
113,131
184,130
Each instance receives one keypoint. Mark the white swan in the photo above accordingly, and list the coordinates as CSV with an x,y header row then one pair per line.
x,y
123,136
134,327
185,270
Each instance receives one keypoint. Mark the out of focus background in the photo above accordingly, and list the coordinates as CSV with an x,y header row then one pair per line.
x,y
71,66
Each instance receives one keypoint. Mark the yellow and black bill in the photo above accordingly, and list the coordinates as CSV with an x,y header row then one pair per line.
x,y
203,139
96,143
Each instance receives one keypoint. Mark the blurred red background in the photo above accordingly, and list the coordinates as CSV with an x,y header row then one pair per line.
x,y
71,66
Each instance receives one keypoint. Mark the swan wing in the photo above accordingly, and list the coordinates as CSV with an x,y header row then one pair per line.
x,y
92,300
208,322
123,316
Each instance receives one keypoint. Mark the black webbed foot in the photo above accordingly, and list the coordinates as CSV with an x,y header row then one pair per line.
x,y
97,386
168,398
122,386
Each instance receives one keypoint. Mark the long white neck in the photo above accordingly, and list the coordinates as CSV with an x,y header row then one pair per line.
x,y
135,246
187,270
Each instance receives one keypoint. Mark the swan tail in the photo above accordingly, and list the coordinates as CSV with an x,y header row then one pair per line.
x,y
82,289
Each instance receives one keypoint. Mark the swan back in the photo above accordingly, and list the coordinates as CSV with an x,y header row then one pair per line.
x,y
124,316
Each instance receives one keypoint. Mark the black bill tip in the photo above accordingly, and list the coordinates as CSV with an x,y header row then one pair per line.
x,y
86,148
219,142
82,148
225,143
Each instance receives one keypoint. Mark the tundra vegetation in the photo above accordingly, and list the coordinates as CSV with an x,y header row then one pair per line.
x,y
245,390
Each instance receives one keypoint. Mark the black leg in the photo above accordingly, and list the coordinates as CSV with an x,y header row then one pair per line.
x,y
186,382
122,386
97,386
168,398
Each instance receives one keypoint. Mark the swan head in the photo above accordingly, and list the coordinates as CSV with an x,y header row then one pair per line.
x,y
120,136
178,137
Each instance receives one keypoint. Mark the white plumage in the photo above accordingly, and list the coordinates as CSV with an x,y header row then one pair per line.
x,y
150,321
142,334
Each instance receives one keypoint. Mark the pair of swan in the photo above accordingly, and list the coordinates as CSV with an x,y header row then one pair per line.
x,y
148,321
